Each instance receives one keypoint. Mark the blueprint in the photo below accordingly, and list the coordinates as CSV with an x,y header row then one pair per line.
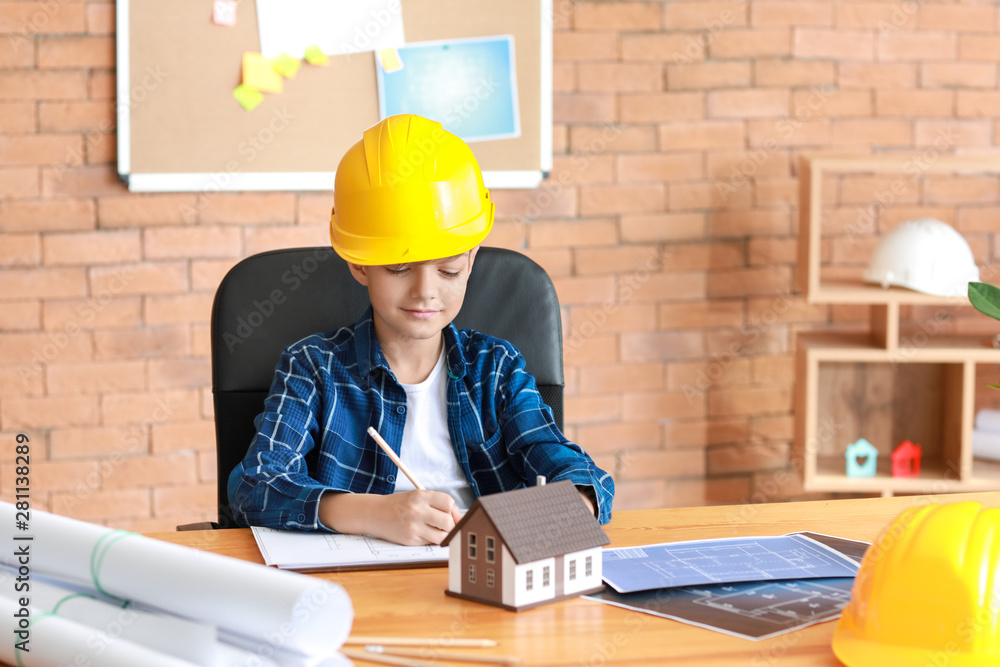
x,y
718,561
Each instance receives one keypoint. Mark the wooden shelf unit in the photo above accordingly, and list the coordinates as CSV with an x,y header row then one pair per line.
x,y
873,384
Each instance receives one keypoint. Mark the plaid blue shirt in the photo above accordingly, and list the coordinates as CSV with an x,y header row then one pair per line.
x,y
330,387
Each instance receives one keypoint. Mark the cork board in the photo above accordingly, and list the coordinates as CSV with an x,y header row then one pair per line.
x,y
179,128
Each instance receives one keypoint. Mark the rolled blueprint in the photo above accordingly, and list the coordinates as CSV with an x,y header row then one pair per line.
x,y
294,611
50,641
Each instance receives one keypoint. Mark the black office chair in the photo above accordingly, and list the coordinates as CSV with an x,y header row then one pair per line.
x,y
273,299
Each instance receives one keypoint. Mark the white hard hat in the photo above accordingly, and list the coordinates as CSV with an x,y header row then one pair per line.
x,y
925,255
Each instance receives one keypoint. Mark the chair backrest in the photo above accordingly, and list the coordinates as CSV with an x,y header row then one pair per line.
x,y
270,300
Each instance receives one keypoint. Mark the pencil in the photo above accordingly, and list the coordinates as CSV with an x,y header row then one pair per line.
x,y
392,455
364,656
436,654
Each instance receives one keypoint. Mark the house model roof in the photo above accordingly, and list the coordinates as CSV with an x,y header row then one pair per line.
x,y
539,521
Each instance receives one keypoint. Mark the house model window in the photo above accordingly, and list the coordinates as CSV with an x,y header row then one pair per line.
x,y
472,574
542,544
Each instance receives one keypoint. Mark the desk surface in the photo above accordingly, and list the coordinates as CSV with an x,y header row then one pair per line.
x,y
583,633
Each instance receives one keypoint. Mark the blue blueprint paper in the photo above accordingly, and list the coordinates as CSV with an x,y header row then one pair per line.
x,y
702,562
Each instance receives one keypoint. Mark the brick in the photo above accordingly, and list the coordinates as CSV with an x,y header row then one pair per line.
x,y
773,192
33,349
183,436
668,47
749,401
790,73
26,19
584,108
659,167
612,139
753,339
613,199
662,107
736,166
652,464
103,505
553,234
697,377
549,201
17,412
958,75
884,16
957,133
704,135
709,16
977,104
249,208
766,14
639,406
40,149
102,310
866,189
750,103
582,169
88,248
621,377
979,219
620,77
21,250
260,239
76,116
749,457
749,282
672,286
139,279
179,373
66,52
959,18
578,46
18,52
141,343
601,438
650,493
662,227
917,45
739,223
914,103
878,76
143,210
564,77
156,472
188,242
102,85
701,255
78,476
710,195
589,349
42,283
788,132
179,500
86,181
708,75
95,377
16,183
774,370
979,47
868,133
101,148
619,16
830,103
704,315
592,409
98,441
661,346
206,274
621,260
100,19
18,117
960,189
20,316
751,43
151,407
178,308
835,44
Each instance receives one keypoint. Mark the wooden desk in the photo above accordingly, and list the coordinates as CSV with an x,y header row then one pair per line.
x,y
583,633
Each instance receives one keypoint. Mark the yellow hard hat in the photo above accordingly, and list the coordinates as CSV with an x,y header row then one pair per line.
x,y
927,592
409,191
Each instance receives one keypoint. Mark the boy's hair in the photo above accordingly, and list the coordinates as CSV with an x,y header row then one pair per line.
x,y
409,191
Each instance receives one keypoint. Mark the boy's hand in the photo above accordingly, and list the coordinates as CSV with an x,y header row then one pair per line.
x,y
414,518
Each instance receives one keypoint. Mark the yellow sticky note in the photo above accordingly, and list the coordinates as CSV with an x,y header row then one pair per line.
x,y
248,97
259,74
315,55
390,60
286,65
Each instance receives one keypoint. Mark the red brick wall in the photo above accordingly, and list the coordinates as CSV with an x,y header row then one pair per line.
x,y
668,224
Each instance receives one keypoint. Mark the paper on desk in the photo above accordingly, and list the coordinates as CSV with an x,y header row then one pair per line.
x,y
297,550
307,614
347,26
699,562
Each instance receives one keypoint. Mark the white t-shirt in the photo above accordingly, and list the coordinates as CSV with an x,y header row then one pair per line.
x,y
426,448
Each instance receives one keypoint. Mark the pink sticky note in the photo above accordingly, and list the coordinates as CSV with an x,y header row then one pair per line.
x,y
224,12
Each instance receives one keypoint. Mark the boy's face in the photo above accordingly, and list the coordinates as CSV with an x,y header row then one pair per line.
x,y
415,301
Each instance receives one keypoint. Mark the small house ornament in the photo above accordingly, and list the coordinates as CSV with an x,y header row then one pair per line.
x,y
524,548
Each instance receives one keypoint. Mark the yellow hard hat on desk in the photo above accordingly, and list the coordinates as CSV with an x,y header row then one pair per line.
x,y
409,191
928,592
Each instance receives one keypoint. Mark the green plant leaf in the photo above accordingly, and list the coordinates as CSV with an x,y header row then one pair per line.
x,y
994,386
985,298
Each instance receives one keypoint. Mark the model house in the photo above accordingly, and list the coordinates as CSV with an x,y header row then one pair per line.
x,y
906,460
862,458
524,548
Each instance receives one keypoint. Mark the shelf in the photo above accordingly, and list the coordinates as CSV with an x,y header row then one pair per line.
x,y
860,292
830,346
934,477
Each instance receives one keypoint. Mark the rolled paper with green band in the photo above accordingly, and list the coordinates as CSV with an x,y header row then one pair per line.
x,y
303,614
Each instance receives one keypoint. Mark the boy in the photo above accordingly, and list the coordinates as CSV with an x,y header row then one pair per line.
x,y
410,210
